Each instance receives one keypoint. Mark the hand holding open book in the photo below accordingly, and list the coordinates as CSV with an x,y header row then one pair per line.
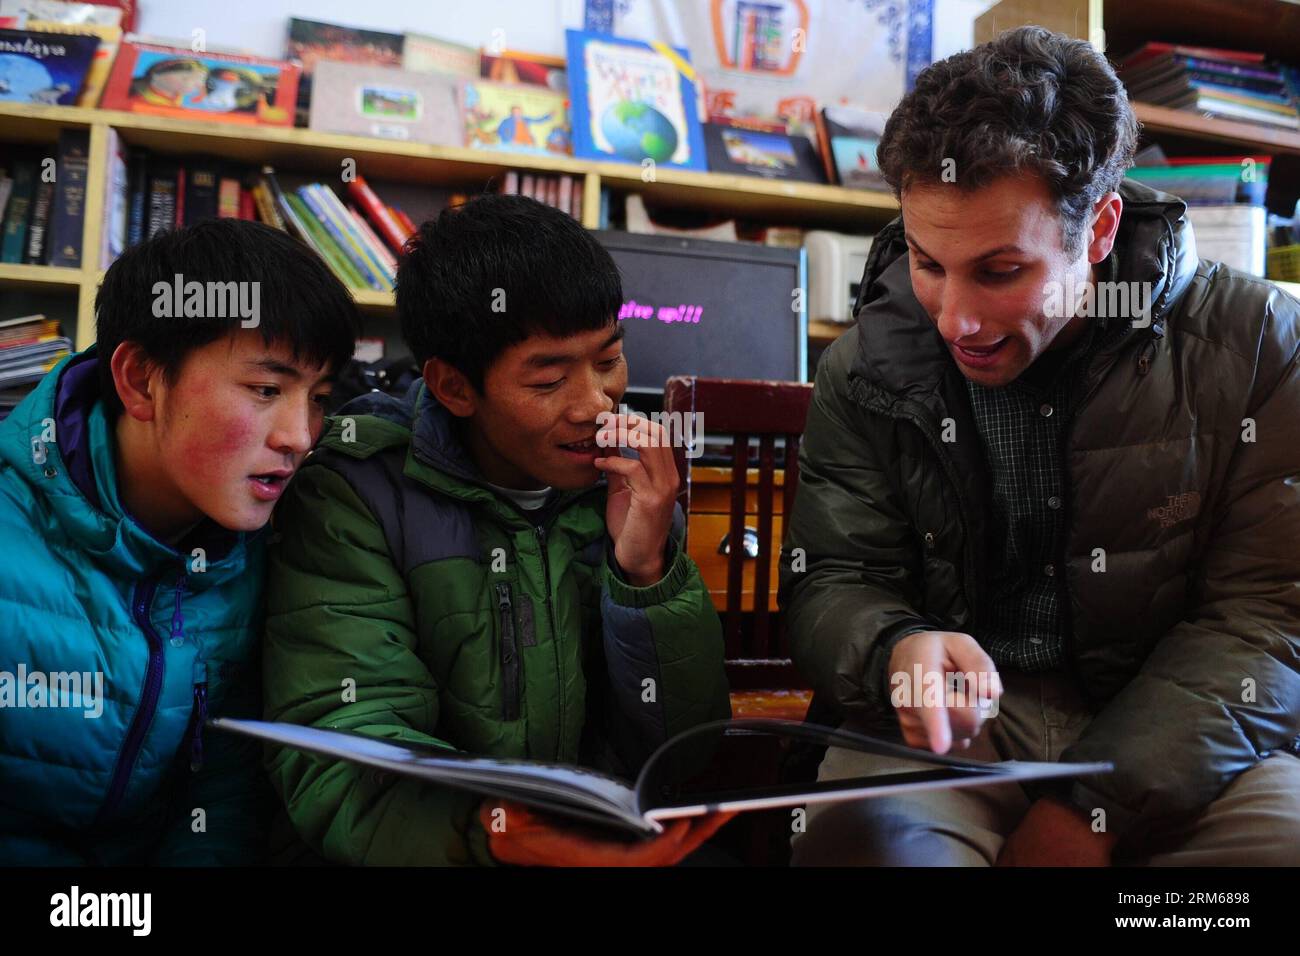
x,y
698,773
517,835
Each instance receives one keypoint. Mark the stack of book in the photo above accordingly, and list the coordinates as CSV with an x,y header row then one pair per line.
x,y
359,240
347,239
42,203
1230,84
1225,203
29,347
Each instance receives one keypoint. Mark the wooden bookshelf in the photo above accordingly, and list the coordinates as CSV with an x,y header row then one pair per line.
x,y
38,278
1250,137
455,167
804,204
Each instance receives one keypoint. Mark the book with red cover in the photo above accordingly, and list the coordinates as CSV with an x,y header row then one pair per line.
x,y
386,224
216,87
1149,51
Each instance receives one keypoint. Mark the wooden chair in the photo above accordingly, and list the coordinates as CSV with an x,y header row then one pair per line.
x,y
764,681
758,660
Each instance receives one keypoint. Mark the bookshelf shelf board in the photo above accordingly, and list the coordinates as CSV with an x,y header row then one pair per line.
x,y
27,123
370,300
1252,136
753,196
379,159
44,278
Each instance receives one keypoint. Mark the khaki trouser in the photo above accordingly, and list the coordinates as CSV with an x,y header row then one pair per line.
x,y
1255,821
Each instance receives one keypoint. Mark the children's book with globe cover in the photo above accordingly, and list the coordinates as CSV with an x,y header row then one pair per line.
x,y
633,101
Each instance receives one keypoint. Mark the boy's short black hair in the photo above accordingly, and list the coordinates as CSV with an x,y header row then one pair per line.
x,y
487,274
300,302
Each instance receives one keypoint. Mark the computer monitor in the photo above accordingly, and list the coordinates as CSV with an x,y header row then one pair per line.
x,y
713,309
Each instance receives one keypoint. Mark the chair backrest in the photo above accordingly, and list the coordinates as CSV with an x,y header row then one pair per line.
x,y
746,411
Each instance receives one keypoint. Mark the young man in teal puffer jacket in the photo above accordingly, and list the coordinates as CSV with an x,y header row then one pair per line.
x,y
133,483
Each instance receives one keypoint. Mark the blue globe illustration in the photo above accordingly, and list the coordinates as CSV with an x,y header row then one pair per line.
x,y
21,76
637,131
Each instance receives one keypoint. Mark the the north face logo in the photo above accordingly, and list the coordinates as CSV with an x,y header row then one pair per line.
x,y
1177,508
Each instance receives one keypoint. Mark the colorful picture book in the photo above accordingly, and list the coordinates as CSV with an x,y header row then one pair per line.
x,y
736,147
44,68
110,38
535,69
222,87
29,347
311,42
389,103
426,54
513,117
848,138
633,101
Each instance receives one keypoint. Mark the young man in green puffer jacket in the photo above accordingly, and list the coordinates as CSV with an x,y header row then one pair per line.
x,y
473,567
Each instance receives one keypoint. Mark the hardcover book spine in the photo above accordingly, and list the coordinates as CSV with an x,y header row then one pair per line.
x,y
201,194
38,226
68,218
228,198
335,232
138,176
373,241
355,247
162,202
113,240
356,236
20,205
385,222
320,240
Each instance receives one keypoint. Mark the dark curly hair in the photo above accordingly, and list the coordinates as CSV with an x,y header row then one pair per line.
x,y
1028,101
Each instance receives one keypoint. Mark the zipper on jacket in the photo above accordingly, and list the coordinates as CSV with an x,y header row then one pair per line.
x,y
200,720
141,602
178,619
540,530
509,652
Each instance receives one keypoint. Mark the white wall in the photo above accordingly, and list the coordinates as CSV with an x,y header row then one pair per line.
x,y
260,26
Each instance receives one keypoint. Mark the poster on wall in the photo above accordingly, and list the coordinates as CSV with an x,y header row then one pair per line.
x,y
785,59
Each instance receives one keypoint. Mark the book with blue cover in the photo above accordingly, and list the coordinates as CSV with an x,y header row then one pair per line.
x,y
633,101
44,68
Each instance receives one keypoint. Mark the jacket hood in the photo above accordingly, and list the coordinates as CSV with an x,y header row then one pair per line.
x,y
59,440
900,350
427,424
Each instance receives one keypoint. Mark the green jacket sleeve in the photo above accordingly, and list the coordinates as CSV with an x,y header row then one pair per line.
x,y
849,564
663,650
1222,687
340,652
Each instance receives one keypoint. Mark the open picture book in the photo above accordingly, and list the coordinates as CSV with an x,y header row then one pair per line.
x,y
699,771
